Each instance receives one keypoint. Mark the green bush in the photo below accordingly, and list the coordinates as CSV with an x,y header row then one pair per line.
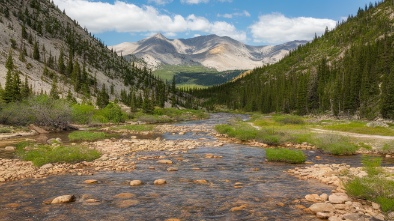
x,y
285,155
82,113
87,136
336,145
388,148
44,154
113,113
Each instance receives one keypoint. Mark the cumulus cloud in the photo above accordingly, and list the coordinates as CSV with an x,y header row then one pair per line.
x,y
194,2
276,28
160,2
236,14
101,17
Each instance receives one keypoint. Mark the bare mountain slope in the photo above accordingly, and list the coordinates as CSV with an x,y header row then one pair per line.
x,y
221,53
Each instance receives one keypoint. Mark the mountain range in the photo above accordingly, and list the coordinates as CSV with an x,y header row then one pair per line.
x,y
212,51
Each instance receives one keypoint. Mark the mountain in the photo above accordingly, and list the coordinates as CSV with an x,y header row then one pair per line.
x,y
49,48
349,71
212,51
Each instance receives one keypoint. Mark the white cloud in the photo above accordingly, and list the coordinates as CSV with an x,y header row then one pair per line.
x,y
276,28
160,2
100,17
191,2
236,14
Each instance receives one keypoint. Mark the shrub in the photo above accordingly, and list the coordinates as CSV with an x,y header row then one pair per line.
x,y
44,154
285,155
113,113
82,113
388,148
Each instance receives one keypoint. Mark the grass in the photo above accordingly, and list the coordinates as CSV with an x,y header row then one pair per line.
x,y
285,155
87,136
335,144
137,127
388,148
44,154
374,187
360,128
5,130
167,115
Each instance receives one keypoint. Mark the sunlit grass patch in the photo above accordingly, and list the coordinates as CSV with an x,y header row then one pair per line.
x,y
285,155
135,127
360,127
43,154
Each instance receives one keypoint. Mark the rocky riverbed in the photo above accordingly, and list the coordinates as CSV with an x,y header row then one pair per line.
x,y
195,155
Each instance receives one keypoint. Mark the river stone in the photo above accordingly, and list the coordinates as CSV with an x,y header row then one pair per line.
x,y
338,198
164,161
63,199
2,179
135,183
127,203
159,182
46,166
124,196
322,207
375,206
353,216
90,181
10,148
238,208
172,169
204,182
172,219
322,215
312,197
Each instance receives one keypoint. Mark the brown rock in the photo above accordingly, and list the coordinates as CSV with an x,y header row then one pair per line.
x,y
12,205
164,161
160,182
127,203
63,199
280,204
37,129
204,182
323,215
238,208
124,196
322,207
90,181
172,219
171,169
135,183
338,198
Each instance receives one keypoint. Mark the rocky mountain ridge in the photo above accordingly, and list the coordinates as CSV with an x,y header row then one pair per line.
x,y
212,51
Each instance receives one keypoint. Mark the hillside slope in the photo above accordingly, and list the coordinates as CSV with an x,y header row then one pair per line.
x,y
348,71
212,51
47,46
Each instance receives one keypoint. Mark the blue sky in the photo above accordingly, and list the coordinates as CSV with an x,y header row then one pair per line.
x,y
253,22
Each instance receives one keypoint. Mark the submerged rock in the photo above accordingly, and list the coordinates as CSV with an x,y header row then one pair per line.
x,y
63,199
135,183
160,182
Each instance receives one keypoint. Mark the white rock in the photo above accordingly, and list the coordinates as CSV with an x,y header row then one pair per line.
x,y
160,182
322,207
10,148
338,198
63,199
322,215
46,166
135,183
375,206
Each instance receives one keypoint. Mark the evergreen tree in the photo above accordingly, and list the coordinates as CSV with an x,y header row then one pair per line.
x,y
61,67
54,93
36,52
102,97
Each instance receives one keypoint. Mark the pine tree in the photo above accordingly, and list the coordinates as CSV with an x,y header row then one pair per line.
x,y
61,67
36,52
54,93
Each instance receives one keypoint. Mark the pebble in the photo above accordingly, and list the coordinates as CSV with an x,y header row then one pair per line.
x,y
135,183
160,182
90,181
63,199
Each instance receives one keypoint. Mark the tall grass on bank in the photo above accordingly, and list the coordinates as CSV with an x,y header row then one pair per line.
x,y
167,115
374,187
135,127
43,154
285,155
335,144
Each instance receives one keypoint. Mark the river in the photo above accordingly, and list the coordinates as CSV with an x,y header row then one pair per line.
x,y
240,185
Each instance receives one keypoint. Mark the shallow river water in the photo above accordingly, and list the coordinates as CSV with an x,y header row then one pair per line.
x,y
266,192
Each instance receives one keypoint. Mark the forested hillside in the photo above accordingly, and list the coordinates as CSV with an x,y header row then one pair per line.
x,y
347,71
43,51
